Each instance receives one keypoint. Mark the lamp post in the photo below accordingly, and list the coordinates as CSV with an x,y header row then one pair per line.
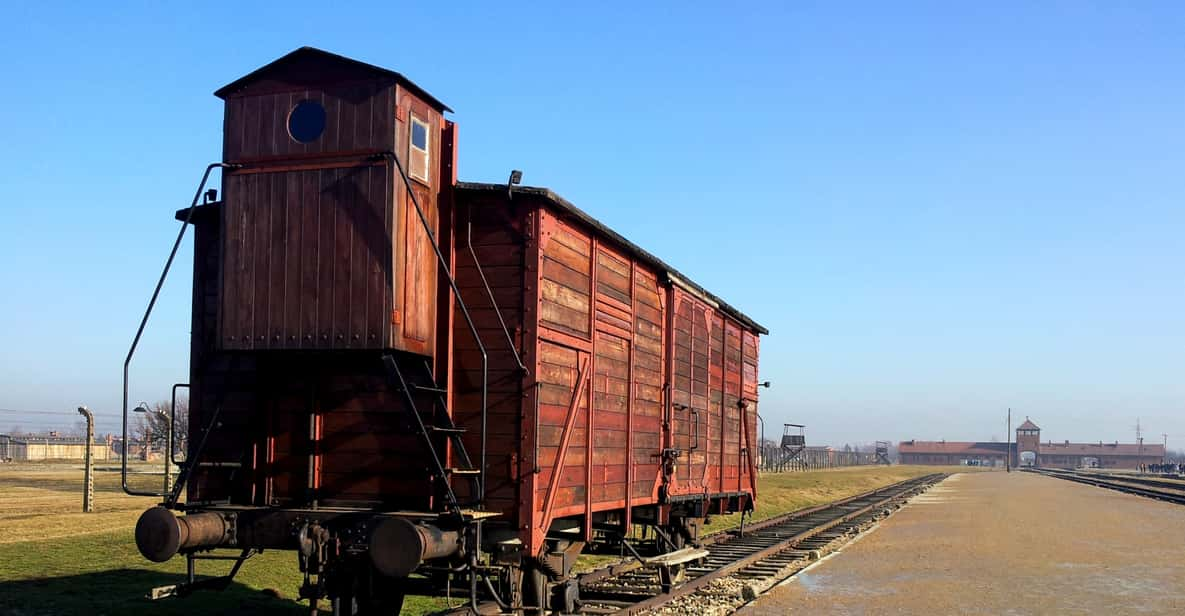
x,y
144,408
761,439
88,488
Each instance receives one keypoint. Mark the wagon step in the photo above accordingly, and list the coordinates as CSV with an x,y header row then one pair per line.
x,y
434,419
430,389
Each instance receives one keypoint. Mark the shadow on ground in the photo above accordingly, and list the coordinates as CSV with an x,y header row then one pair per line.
x,y
122,592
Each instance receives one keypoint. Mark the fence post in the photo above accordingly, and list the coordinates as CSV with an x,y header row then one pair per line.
x,y
88,495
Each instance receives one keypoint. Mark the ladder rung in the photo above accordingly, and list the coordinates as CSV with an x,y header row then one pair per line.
x,y
445,430
435,390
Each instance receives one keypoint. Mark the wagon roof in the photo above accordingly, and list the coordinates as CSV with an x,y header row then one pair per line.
x,y
306,55
630,247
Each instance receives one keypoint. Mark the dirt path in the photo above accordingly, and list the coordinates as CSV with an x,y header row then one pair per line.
x,y
997,543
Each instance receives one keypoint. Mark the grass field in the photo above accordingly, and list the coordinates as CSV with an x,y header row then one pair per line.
x,y
56,560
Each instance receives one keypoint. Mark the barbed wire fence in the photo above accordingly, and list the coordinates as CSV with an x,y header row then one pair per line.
x,y
775,459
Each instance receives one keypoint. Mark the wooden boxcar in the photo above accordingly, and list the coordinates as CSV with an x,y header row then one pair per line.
x,y
639,385
419,384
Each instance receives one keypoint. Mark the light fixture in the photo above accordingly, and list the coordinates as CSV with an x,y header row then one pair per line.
x,y
516,177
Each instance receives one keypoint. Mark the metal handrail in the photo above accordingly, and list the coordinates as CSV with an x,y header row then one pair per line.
x,y
441,466
144,321
173,425
489,291
464,311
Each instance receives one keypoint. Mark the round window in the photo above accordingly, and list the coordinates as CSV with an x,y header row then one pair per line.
x,y
306,121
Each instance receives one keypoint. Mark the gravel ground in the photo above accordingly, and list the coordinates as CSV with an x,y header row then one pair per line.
x,y
998,543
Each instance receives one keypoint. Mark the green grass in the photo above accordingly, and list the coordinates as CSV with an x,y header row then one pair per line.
x,y
56,560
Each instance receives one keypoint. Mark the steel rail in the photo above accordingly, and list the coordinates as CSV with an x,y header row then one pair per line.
x,y
1177,497
743,551
1170,484
727,535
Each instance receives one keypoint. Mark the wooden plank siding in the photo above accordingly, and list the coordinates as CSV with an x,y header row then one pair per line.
x,y
323,245
498,237
359,117
307,268
707,376
649,379
316,247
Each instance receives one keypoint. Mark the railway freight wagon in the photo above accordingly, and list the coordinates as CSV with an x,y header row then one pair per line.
x,y
420,385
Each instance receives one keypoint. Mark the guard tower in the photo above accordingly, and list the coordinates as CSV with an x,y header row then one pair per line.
x,y
1028,443
793,441
882,453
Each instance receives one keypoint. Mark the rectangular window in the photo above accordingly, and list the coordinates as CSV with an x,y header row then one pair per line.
x,y
418,148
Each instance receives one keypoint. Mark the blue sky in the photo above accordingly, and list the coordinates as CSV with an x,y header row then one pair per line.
x,y
940,210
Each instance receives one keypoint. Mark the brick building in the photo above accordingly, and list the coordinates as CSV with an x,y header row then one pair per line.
x,y
1028,450
41,447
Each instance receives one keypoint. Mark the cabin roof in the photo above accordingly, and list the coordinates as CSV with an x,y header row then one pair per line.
x,y
633,249
281,68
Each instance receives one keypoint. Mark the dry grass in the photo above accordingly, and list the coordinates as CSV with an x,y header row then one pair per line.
x,y
40,502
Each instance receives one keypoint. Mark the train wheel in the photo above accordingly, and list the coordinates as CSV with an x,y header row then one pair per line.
x,y
674,538
368,593
535,597
385,604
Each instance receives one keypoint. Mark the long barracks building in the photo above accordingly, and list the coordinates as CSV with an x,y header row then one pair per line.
x,y
1028,450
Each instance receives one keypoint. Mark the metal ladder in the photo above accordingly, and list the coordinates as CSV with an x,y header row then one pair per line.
x,y
434,422
447,426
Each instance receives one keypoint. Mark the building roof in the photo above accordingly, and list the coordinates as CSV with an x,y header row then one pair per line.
x,y
1100,449
670,273
1028,425
1050,448
952,448
337,66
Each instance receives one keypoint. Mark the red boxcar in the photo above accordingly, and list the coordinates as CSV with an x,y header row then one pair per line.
x,y
639,384
417,383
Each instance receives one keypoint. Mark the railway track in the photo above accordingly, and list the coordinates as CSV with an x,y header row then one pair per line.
x,y
734,567
1155,482
1172,492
